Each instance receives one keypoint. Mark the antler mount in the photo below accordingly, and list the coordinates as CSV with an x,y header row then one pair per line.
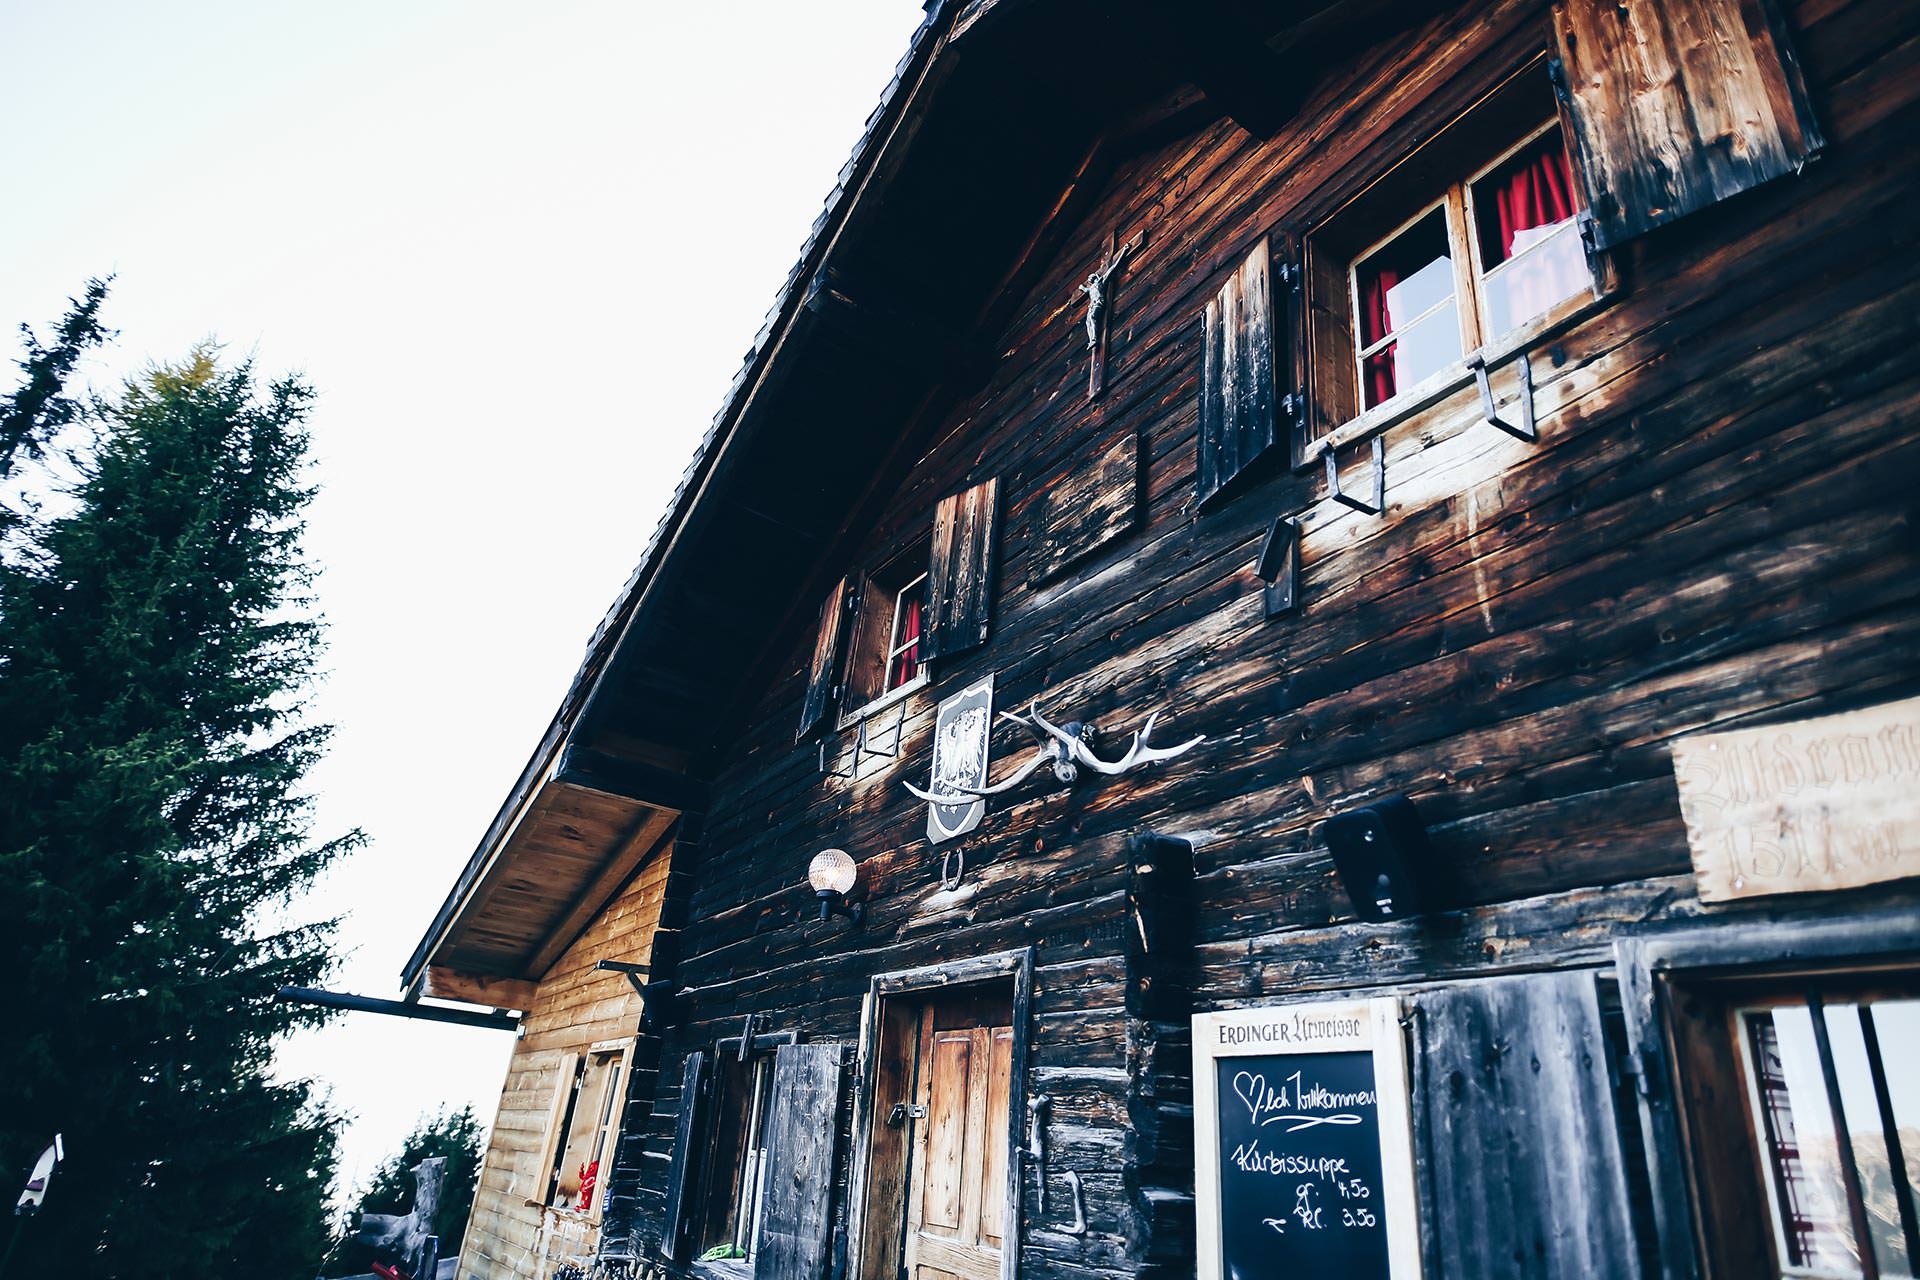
x,y
1067,748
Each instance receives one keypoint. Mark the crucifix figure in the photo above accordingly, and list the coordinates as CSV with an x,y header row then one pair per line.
x,y
1098,289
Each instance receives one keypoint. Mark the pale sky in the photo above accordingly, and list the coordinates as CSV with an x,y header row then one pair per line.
x,y
520,250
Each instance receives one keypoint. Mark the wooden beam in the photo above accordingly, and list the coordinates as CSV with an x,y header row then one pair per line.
x,y
613,775
495,992
651,831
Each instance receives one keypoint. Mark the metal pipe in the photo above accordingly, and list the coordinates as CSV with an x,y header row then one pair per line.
x,y
397,1008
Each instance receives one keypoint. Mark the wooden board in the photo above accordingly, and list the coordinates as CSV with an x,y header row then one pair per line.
x,y
1804,807
1087,508
960,577
1239,418
1676,106
1516,1112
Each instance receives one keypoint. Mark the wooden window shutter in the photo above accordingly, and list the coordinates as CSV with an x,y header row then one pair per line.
x,y
1239,405
1514,1108
688,1134
1672,108
823,673
960,572
803,1115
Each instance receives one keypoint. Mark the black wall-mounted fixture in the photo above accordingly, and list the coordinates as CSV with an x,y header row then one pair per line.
x,y
1523,429
833,874
1379,850
1366,506
1279,566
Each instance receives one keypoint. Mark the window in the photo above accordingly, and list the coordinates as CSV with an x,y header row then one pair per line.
x,y
584,1127
889,630
737,1170
1468,245
932,600
1801,1118
1798,1052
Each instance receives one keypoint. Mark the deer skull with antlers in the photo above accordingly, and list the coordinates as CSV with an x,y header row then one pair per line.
x,y
1067,748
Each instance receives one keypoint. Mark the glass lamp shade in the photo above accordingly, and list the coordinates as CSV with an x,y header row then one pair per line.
x,y
832,871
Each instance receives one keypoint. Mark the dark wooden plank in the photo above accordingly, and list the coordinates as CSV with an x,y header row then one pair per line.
x,y
803,1124
1524,1171
1238,422
1673,108
960,576
1096,502
688,1135
823,670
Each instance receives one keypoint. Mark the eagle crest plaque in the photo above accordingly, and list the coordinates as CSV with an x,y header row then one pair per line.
x,y
961,730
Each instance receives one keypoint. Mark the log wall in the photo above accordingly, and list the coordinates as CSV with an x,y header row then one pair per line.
x,y
1715,527
511,1236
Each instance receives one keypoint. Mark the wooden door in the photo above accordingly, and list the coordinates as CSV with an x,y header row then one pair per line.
x,y
957,1194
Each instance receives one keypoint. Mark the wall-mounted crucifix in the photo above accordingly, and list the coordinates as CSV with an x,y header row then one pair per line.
x,y
1099,291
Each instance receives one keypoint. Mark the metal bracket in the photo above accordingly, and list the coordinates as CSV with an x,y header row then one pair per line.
x,y
1379,503
1293,406
851,769
1524,429
1078,1227
1037,1106
1290,274
633,972
861,748
746,1036
903,1112
1279,566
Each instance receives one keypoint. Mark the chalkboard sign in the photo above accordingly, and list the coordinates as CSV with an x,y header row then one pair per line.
x,y
1305,1159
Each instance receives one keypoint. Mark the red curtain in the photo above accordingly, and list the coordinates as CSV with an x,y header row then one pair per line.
x,y
909,660
1375,324
1537,192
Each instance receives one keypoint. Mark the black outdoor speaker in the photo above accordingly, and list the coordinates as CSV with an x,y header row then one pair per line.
x,y
1378,850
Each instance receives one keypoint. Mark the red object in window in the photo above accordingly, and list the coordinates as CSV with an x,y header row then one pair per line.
x,y
908,661
589,1175
1534,190
1376,323
388,1273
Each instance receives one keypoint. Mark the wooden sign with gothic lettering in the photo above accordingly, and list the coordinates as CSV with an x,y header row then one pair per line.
x,y
1816,805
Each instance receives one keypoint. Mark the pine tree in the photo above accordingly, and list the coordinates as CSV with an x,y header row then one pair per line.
x,y
451,1135
155,639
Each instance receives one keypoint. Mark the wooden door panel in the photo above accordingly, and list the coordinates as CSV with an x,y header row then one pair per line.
x,y
957,1198
950,1071
993,1181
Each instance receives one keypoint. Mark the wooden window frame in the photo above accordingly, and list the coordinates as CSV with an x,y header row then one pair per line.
x,y
884,992
575,1066
1673,981
866,646
1439,169
762,1048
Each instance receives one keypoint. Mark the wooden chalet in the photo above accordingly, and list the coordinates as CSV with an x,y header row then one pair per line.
x,y
1482,435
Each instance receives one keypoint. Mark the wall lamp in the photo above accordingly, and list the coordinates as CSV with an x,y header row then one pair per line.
x,y
833,874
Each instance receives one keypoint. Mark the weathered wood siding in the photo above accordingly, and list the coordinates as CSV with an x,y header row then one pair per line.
x,y
574,1008
1715,526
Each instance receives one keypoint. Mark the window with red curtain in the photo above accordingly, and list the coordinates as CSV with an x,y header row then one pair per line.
x,y
1409,320
903,654
1525,212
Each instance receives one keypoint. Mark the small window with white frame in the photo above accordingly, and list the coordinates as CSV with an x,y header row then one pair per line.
x,y
1469,245
885,658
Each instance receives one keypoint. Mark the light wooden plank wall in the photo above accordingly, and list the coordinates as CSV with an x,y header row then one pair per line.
x,y
576,1007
